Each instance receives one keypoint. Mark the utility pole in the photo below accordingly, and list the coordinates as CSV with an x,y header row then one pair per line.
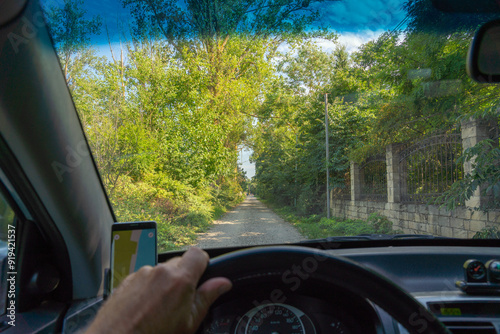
x,y
295,190
327,159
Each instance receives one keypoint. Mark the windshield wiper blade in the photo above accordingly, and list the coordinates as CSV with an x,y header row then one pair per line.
x,y
402,236
362,237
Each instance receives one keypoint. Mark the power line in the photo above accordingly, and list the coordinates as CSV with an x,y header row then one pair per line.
x,y
400,24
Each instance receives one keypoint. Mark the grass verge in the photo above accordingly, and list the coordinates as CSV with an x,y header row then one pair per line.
x,y
318,226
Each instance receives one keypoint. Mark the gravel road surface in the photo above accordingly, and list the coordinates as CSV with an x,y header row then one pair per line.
x,y
250,223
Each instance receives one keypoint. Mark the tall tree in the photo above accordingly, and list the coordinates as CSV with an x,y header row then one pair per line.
x,y
227,43
71,32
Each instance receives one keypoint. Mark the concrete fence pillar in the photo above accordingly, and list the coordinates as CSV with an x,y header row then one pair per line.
x,y
393,174
355,182
474,131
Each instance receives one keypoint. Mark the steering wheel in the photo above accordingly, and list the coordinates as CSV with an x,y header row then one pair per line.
x,y
280,262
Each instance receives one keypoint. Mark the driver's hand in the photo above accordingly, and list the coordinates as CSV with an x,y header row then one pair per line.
x,y
162,299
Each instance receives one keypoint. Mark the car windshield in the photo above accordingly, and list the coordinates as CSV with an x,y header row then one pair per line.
x,y
267,121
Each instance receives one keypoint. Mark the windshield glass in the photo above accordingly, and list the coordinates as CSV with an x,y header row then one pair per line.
x,y
342,117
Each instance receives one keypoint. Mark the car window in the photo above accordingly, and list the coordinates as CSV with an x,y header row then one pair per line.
x,y
7,249
340,117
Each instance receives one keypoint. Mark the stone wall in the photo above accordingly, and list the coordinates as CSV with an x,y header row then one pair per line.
x,y
463,222
419,218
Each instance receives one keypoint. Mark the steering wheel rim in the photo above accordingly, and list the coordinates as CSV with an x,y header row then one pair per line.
x,y
246,265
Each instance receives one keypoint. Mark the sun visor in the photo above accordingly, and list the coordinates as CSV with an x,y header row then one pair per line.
x,y
9,9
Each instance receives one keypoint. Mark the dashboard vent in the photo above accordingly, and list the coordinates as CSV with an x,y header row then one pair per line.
x,y
470,327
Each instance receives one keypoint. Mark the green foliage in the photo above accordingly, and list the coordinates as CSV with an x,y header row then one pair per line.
x,y
166,116
488,233
381,224
338,227
69,29
289,138
207,21
179,210
317,226
136,201
305,201
228,194
218,212
484,159
395,89
71,32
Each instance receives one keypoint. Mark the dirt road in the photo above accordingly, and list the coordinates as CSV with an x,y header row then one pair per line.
x,y
250,223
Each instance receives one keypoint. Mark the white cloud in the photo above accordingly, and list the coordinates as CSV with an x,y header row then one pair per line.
x,y
353,41
326,46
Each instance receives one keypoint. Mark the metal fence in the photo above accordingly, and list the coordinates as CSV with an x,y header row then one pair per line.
x,y
374,179
429,167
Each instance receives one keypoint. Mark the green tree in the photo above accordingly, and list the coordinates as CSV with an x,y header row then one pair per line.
x,y
289,140
228,45
71,33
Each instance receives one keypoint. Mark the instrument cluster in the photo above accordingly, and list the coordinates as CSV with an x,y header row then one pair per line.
x,y
253,313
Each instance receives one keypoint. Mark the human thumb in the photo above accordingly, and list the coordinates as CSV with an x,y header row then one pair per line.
x,y
208,293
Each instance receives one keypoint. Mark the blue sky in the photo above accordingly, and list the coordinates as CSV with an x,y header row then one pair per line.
x,y
356,20
350,16
244,161
360,21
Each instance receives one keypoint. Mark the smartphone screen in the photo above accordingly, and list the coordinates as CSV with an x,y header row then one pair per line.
x,y
133,245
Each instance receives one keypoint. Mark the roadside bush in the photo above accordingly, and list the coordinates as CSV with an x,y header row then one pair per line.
x,y
309,201
179,210
340,227
380,224
228,194
218,211
488,233
286,212
318,226
172,236
199,221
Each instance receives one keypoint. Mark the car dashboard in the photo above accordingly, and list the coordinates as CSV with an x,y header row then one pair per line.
x,y
428,273
270,308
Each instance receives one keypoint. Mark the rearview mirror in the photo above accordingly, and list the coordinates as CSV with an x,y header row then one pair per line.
x,y
483,61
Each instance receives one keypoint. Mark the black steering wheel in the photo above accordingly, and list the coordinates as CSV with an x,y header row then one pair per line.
x,y
276,263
